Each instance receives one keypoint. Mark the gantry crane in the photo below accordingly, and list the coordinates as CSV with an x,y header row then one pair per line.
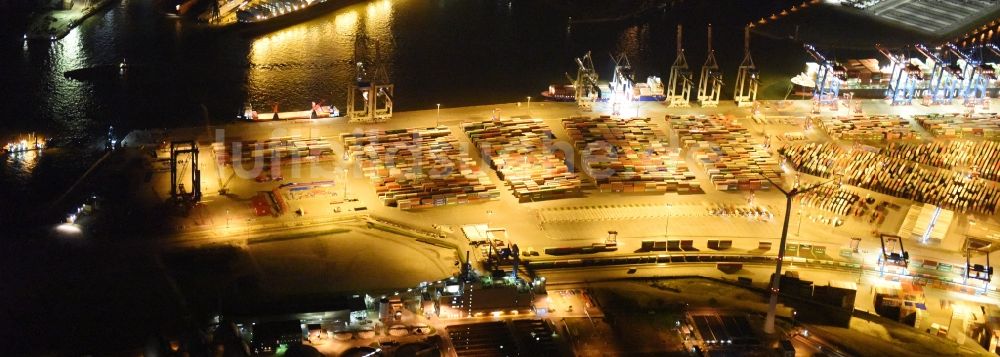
x,y
943,84
747,78
893,253
359,90
622,83
974,88
979,272
382,87
710,82
993,48
828,78
680,82
369,97
903,79
987,70
585,84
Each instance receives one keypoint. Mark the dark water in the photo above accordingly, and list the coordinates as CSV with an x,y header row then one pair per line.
x,y
453,52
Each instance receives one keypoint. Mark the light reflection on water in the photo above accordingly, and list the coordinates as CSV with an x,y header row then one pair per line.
x,y
21,164
313,61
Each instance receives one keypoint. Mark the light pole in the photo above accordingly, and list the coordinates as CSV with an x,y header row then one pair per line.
x,y
666,230
345,185
529,105
776,279
437,121
798,231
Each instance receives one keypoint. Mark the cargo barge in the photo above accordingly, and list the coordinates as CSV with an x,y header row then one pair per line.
x,y
31,143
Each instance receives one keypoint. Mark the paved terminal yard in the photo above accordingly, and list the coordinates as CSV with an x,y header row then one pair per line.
x,y
317,187
335,188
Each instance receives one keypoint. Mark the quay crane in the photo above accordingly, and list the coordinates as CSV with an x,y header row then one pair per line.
x,y
369,97
710,82
681,79
903,78
894,254
993,48
622,83
974,87
828,78
979,272
747,78
585,84
960,71
384,89
945,79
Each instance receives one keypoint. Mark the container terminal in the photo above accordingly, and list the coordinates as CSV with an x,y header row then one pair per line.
x,y
869,196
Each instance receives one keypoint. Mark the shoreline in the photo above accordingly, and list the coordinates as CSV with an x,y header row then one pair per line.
x,y
63,21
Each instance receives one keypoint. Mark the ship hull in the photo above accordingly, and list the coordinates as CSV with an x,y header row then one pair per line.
x,y
279,22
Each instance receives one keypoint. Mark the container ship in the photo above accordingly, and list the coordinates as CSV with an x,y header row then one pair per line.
x,y
317,111
650,91
560,93
273,14
868,78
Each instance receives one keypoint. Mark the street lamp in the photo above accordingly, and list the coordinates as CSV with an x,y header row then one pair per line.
x,y
666,230
438,120
776,279
345,185
529,105
798,231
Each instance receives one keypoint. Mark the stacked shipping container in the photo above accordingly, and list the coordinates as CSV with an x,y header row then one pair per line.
x,y
522,153
629,156
726,152
419,168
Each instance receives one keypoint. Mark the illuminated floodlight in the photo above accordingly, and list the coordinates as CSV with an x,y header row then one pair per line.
x,y
69,229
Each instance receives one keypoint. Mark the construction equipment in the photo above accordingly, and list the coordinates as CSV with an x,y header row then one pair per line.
x,y
903,78
828,78
747,78
680,82
710,82
622,83
369,98
585,84
943,83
